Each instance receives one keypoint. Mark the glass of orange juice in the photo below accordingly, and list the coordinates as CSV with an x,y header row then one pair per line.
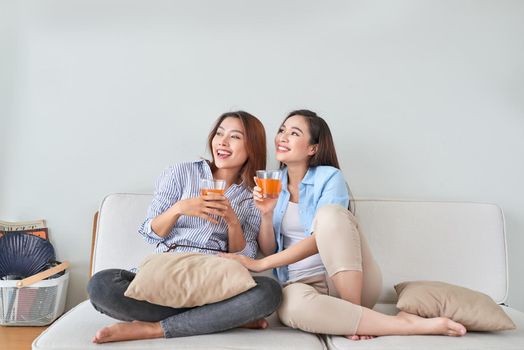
x,y
270,181
212,186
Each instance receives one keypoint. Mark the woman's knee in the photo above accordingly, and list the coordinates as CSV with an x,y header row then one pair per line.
x,y
332,218
295,298
270,292
102,283
95,283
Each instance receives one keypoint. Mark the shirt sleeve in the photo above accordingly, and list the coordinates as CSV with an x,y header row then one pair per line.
x,y
167,192
251,226
335,191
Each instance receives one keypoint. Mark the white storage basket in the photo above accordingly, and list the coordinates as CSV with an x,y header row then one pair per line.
x,y
36,305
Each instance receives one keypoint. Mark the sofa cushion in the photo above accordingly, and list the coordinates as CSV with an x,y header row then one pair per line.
x,y
188,279
75,329
506,340
475,310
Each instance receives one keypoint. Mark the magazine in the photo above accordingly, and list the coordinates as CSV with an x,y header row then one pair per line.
x,y
35,227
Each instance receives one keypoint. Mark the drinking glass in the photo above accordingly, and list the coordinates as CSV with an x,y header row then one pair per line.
x,y
270,181
212,186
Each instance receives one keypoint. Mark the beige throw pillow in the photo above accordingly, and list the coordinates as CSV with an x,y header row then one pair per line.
x,y
188,279
475,310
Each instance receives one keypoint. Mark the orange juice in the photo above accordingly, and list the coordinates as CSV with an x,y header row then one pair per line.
x,y
206,191
270,187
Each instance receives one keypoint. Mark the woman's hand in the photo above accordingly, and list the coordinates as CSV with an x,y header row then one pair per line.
x,y
204,207
265,205
250,264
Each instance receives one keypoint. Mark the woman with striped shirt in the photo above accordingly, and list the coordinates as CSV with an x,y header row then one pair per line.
x,y
179,219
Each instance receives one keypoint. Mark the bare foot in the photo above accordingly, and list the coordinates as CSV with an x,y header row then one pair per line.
x,y
129,331
360,337
258,324
436,325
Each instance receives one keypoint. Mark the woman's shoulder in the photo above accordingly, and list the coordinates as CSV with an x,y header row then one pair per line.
x,y
325,175
183,168
326,171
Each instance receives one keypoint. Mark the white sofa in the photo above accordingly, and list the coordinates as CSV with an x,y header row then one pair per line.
x,y
462,243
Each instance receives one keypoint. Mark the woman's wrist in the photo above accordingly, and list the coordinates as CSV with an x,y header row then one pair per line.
x,y
233,222
267,216
176,210
264,264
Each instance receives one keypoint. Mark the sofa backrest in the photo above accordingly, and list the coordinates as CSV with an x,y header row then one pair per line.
x,y
462,243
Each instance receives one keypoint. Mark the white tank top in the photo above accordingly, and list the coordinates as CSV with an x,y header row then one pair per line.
x,y
293,232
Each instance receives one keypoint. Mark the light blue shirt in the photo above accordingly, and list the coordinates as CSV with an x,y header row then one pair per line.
x,y
182,181
320,186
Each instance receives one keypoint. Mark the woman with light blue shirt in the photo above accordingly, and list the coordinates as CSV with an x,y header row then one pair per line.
x,y
180,219
331,281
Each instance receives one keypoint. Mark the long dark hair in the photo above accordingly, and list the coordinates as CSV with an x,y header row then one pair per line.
x,y
320,135
255,143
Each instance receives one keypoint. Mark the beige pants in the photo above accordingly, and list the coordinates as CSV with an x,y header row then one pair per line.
x,y
313,304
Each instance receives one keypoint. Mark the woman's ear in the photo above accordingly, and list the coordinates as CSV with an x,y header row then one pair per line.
x,y
313,149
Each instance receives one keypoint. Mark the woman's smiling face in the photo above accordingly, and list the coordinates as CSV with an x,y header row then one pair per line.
x,y
292,143
229,150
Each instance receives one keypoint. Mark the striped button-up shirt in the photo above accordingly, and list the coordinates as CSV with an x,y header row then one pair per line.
x,y
182,181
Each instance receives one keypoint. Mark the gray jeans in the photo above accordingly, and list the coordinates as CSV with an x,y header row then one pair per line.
x,y
106,292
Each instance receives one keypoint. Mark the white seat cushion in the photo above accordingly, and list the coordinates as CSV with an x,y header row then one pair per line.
x,y
75,329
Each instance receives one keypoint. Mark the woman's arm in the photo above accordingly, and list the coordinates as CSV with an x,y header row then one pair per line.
x,y
167,192
204,207
235,235
303,249
242,227
334,191
249,218
266,235
164,223
297,252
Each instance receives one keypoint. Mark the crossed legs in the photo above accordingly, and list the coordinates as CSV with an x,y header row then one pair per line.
x,y
106,291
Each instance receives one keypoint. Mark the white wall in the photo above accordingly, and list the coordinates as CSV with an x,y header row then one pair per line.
x,y
425,99
7,63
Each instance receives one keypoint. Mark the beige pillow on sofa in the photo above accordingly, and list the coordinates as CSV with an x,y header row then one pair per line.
x,y
188,279
475,310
